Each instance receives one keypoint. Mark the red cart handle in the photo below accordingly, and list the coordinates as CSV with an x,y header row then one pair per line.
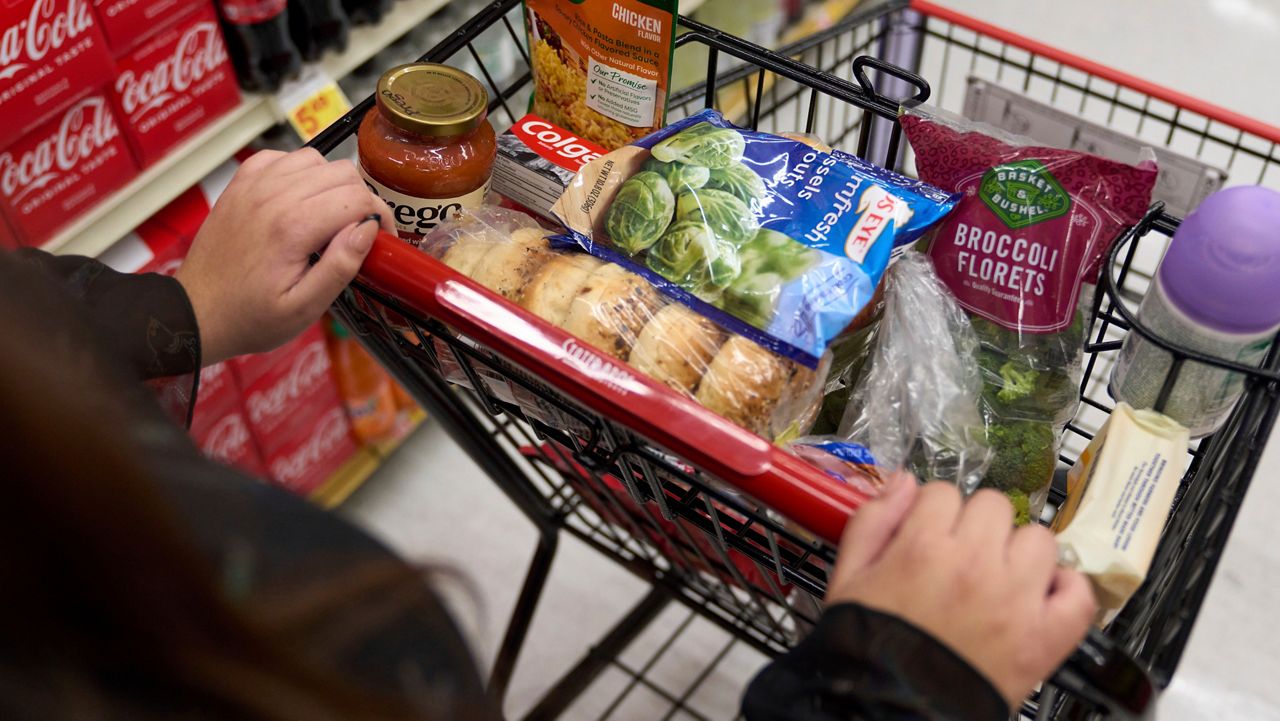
x,y
613,389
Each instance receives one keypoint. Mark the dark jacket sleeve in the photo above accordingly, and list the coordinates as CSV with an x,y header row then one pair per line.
x,y
146,321
860,664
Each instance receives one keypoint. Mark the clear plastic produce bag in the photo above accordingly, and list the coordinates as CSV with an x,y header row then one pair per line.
x,y
917,405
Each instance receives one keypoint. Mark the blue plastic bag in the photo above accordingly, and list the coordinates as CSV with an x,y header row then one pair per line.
x,y
767,236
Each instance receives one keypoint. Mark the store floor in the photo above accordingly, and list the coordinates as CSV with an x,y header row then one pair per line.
x,y
432,504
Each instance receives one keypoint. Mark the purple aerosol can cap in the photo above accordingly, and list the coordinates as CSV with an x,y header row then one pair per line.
x,y
1222,268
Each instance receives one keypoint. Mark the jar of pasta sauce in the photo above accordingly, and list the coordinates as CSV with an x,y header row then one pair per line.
x,y
427,148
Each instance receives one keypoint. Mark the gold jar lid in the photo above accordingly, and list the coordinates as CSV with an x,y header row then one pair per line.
x,y
431,99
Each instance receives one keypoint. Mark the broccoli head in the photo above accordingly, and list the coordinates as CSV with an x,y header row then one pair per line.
x,y
1021,507
1017,382
1024,455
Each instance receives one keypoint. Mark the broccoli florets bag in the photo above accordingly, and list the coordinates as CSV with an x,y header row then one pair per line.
x,y
1028,235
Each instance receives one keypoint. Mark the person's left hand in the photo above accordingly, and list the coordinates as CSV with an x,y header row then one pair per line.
x,y
248,273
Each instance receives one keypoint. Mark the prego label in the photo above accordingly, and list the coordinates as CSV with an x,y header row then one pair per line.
x,y
415,217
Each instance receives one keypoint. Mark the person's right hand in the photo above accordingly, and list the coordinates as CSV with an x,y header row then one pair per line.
x,y
959,570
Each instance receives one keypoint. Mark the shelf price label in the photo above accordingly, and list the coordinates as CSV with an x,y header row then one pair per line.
x,y
312,102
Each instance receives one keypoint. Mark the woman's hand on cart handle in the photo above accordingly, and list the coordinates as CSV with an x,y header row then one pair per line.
x,y
248,274
960,571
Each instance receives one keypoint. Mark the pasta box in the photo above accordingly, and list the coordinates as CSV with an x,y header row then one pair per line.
x,y
63,168
174,84
51,51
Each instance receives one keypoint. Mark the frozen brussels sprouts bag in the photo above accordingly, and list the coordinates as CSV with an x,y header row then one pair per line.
x,y
619,314
771,238
1029,234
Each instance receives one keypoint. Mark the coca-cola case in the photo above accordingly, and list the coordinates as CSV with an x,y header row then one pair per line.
x,y
63,168
219,425
127,22
8,239
287,387
313,453
174,84
51,51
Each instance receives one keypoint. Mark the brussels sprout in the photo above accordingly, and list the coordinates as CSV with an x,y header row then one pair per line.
x,y
728,216
739,180
702,144
753,297
772,252
640,212
690,255
680,176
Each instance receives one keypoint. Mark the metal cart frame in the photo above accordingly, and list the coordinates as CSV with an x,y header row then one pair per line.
x,y
714,517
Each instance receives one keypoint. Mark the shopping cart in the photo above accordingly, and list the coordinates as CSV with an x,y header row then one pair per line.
x,y
716,518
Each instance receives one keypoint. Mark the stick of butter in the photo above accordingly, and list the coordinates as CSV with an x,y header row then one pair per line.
x,y
1119,494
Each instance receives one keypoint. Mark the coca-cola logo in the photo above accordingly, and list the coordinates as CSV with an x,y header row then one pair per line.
x,y
199,52
556,144
330,433
309,367
84,129
227,439
45,30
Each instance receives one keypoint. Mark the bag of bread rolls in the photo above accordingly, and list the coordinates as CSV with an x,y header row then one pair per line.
x,y
619,313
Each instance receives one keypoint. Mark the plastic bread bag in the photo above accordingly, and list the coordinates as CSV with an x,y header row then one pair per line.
x,y
918,403
769,237
1031,230
621,314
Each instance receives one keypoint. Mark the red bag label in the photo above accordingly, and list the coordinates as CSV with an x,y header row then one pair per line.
x,y
1034,222
250,12
555,144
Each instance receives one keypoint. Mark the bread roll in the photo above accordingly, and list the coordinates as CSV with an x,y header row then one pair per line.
x,y
744,384
552,290
676,347
611,309
466,252
508,267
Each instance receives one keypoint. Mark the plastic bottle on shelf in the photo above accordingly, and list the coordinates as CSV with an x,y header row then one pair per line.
x,y
318,26
367,12
366,389
257,35
1217,291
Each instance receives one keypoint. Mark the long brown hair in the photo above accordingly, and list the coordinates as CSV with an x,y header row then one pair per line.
x,y
110,609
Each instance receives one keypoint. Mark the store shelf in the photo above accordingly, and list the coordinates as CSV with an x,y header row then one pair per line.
x,y
362,465
188,164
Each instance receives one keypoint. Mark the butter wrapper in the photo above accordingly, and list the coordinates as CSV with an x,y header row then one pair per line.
x,y
1119,495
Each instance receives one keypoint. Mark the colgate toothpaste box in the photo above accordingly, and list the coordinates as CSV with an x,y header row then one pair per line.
x,y
174,84
126,22
536,160
63,168
304,460
289,389
51,51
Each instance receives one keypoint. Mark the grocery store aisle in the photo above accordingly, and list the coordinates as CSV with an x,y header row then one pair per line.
x,y
434,505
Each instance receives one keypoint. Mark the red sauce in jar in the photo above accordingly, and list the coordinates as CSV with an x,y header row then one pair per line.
x,y
427,149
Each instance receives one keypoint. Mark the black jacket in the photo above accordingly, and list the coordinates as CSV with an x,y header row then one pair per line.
x,y
856,664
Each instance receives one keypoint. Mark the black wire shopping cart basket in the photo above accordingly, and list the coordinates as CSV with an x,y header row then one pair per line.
x,y
717,518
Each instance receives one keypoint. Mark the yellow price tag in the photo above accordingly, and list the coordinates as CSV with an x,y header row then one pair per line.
x,y
312,102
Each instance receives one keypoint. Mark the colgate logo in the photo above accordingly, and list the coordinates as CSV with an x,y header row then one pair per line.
x,y
330,433
199,52
44,31
227,439
84,129
310,365
557,144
